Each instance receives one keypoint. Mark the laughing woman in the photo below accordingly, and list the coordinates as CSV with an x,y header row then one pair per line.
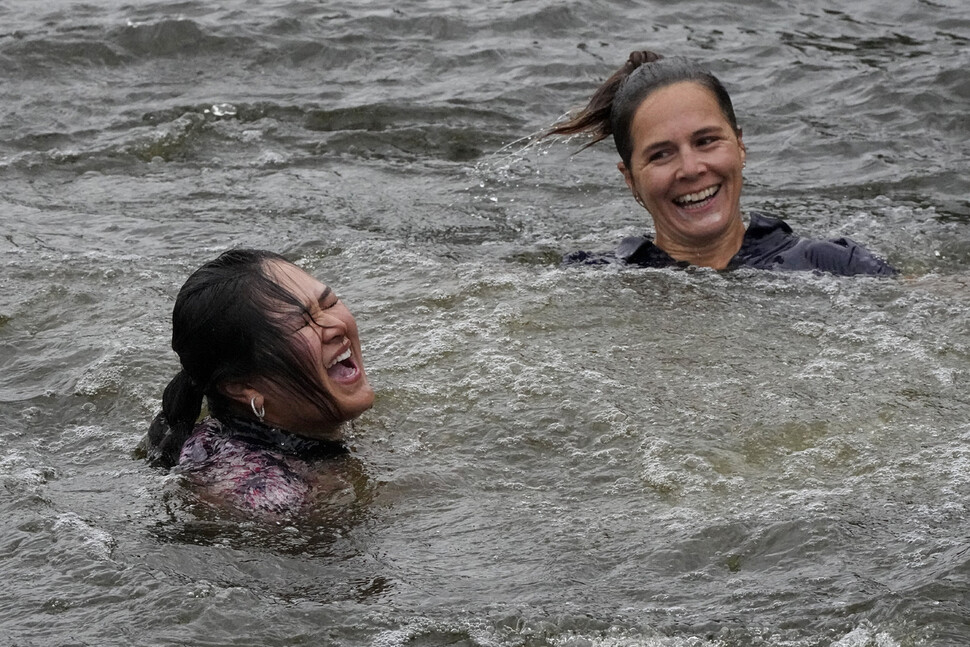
x,y
277,357
682,156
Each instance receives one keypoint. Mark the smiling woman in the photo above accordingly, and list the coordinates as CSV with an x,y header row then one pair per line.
x,y
277,357
682,156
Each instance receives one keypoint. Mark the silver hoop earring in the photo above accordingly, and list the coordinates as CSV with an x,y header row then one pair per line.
x,y
259,412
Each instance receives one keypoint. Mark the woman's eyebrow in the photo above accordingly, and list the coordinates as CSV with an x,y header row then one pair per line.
x,y
323,296
708,130
700,132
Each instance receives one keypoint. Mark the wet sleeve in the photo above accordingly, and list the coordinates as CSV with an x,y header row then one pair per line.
x,y
588,258
845,257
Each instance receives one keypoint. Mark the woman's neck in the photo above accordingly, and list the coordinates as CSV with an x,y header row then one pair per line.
x,y
716,253
279,439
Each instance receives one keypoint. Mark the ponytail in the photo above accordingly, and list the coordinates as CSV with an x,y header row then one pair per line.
x,y
181,406
596,117
612,107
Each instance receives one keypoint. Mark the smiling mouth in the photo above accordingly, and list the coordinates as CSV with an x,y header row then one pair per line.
x,y
695,199
339,358
343,368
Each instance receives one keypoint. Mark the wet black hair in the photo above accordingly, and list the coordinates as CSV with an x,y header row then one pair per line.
x,y
232,321
611,109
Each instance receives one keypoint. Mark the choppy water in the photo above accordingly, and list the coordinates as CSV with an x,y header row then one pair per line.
x,y
568,457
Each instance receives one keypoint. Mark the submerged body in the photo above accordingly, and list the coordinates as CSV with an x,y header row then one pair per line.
x,y
276,354
682,155
769,244
253,467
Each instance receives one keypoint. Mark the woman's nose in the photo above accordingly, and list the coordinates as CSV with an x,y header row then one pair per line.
x,y
691,163
330,326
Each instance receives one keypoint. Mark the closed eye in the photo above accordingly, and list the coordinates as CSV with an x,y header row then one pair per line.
x,y
307,320
326,301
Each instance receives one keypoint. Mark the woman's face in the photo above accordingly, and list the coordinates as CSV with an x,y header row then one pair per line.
x,y
686,166
329,339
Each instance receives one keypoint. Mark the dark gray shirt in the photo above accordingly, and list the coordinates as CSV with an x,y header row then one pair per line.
x,y
769,244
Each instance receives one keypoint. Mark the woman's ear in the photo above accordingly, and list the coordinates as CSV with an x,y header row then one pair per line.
x,y
239,392
627,176
629,182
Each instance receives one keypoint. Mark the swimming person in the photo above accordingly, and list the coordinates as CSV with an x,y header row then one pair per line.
x,y
277,357
682,156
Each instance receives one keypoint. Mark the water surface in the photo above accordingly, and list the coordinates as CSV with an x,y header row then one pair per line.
x,y
557,456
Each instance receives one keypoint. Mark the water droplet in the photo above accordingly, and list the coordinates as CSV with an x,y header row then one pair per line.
x,y
223,110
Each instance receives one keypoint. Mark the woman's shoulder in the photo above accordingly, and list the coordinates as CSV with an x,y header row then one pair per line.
x,y
243,473
632,250
770,243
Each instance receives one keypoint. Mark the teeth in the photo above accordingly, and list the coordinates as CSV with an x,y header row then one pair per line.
x,y
697,197
341,357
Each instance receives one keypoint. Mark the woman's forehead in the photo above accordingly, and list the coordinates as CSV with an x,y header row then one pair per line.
x,y
296,280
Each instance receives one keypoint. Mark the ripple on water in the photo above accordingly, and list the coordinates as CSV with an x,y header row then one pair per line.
x,y
565,456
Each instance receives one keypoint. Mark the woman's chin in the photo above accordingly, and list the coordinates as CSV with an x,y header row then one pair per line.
x,y
351,407
709,226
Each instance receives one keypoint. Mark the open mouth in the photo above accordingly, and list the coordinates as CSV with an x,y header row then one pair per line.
x,y
697,199
343,368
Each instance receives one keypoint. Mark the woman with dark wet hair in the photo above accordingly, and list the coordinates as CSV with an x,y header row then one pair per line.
x,y
276,355
682,156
